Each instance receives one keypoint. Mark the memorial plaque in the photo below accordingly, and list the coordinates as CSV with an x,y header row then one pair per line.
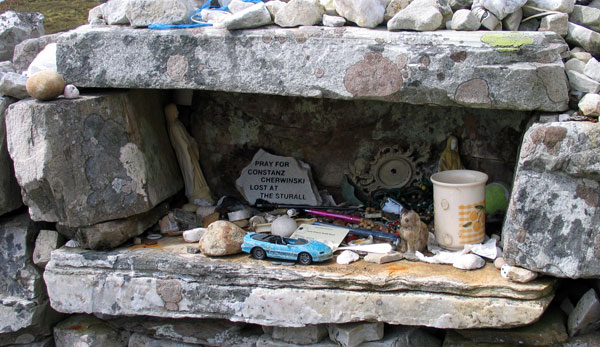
x,y
276,179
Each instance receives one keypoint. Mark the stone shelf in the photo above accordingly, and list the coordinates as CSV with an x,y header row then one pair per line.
x,y
516,70
164,280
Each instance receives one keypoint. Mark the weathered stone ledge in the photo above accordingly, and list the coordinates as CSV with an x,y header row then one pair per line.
x,y
521,71
164,281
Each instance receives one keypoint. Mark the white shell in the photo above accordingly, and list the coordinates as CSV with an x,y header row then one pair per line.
x,y
347,257
72,244
468,262
71,92
283,226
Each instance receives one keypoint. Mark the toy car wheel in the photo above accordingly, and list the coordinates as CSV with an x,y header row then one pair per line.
x,y
304,258
259,253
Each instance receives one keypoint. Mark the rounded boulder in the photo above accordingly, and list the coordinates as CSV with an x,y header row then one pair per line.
x,y
45,85
222,238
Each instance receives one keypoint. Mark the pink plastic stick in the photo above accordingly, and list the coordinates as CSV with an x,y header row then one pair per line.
x,y
334,215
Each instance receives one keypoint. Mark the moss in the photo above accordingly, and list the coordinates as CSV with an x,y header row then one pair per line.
x,y
507,42
59,15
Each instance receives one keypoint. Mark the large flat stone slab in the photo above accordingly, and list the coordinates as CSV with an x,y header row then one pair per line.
x,y
552,220
164,281
97,158
520,71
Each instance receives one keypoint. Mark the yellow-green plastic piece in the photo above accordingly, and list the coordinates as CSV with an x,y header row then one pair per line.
x,y
507,42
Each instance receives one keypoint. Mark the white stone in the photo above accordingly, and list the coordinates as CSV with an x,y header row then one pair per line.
x,y
488,20
382,258
585,317
581,82
333,21
142,13
592,69
465,20
469,262
565,6
96,13
115,12
300,12
347,257
6,66
502,8
236,6
558,23
273,7
254,16
517,274
13,84
394,7
353,334
71,92
44,61
365,13
590,104
594,4
417,18
193,235
581,55
584,37
329,6
46,242
213,16
513,20
587,16
283,226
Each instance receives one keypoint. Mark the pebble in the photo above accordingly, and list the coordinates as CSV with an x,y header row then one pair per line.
x,y
13,84
469,262
222,238
587,16
558,23
584,37
45,85
347,257
517,274
383,258
581,54
575,64
499,262
333,21
254,16
582,83
71,92
365,13
592,69
465,20
193,235
283,226
394,7
300,12
424,18
589,105
273,7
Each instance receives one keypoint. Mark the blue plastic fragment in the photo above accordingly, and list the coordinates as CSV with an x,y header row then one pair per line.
x,y
195,17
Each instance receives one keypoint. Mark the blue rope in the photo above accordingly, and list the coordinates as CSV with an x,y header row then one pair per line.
x,y
196,17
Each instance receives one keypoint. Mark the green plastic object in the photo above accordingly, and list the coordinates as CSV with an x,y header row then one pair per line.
x,y
496,198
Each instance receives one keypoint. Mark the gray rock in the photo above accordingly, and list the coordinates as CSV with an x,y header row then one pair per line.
x,y
585,317
254,16
558,170
46,242
333,21
513,20
300,12
115,12
383,258
349,74
6,66
119,161
236,6
268,341
594,4
139,340
488,20
465,20
588,340
365,13
584,37
10,192
274,6
565,6
87,330
590,104
307,335
502,8
586,16
419,16
592,69
395,6
214,16
353,334
396,336
558,23
142,13
107,235
26,51
16,27
13,84
96,13
581,82
530,25
581,55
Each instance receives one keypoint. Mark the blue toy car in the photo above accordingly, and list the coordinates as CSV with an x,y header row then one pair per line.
x,y
261,246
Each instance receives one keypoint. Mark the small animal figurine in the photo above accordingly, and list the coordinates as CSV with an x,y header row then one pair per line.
x,y
414,232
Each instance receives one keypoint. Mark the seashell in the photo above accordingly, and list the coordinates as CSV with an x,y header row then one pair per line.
x,y
72,244
347,257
